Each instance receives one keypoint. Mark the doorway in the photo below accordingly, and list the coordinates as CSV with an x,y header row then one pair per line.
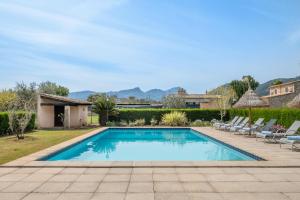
x,y
58,116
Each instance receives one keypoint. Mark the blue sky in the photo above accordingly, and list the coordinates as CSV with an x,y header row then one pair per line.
x,y
116,44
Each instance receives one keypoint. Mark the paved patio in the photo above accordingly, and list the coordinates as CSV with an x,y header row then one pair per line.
x,y
150,183
276,178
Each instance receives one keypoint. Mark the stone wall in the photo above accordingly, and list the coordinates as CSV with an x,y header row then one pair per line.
x,y
282,100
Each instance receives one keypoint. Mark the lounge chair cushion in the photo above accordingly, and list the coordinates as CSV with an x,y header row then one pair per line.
x,y
293,137
266,132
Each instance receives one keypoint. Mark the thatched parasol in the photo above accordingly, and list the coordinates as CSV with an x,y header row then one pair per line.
x,y
295,103
250,100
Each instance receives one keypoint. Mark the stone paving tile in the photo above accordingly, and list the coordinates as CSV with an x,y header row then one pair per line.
x,y
13,177
255,186
210,171
197,187
96,171
82,187
164,170
139,187
254,196
171,196
191,177
120,171
22,187
205,196
5,185
75,196
168,187
139,196
38,177
142,171
6,170
73,171
42,196
52,187
165,177
108,196
49,170
141,178
187,170
270,177
116,178
26,170
90,178
12,196
113,187
64,178
230,177
293,196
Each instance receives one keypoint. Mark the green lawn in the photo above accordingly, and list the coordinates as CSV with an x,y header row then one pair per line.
x,y
93,120
11,148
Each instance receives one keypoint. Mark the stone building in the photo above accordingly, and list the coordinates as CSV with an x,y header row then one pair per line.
x,y
282,94
57,111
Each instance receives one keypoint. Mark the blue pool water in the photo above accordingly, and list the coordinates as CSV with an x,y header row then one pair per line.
x,y
117,144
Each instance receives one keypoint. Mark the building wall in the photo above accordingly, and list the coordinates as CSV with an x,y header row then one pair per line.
x,y
78,116
46,116
283,99
209,105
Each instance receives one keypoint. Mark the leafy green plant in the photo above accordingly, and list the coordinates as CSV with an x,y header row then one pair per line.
x,y
200,123
153,122
175,119
112,123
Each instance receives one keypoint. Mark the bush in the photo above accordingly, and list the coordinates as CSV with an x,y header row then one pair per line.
x,y
4,123
138,122
153,122
284,116
112,123
175,119
200,123
148,114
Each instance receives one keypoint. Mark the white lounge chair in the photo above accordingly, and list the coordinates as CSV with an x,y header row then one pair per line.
x,y
292,140
217,125
277,135
240,126
254,127
228,126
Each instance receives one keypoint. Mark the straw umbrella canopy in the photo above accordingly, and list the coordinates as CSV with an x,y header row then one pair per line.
x,y
295,103
250,100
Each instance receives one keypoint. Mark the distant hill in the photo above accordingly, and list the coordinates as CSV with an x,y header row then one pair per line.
x,y
153,94
263,89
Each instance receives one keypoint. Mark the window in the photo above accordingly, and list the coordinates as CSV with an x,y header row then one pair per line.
x,y
275,91
286,90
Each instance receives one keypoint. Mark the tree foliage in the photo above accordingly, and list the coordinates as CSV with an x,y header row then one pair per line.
x,y
173,101
104,106
241,86
224,102
6,97
53,88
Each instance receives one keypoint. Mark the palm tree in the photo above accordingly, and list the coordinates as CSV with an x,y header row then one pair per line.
x,y
104,106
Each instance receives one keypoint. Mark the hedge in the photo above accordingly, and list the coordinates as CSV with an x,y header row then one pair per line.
x,y
4,123
284,116
148,114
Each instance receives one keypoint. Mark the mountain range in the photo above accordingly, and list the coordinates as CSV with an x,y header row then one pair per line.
x,y
153,94
158,94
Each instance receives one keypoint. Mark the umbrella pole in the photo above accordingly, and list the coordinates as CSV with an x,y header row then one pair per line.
x,y
250,121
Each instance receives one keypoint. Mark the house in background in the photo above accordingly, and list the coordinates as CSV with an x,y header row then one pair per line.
x,y
198,100
57,111
281,94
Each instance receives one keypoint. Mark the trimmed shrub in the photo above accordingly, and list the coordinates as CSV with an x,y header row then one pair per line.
x,y
148,114
4,123
174,119
284,116
200,123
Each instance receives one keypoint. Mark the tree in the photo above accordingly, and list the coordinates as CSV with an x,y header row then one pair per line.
x,y
277,82
104,106
26,94
241,86
52,88
173,101
226,94
6,97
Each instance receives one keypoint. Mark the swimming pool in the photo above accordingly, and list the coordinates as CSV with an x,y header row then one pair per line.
x,y
150,144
